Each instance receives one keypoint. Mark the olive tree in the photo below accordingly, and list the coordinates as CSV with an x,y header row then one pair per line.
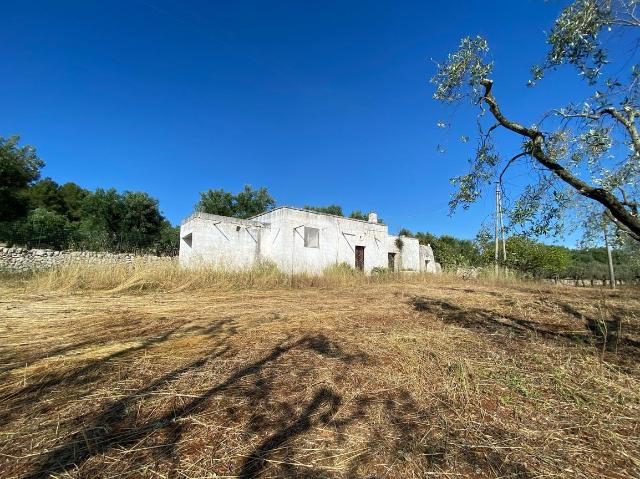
x,y
585,155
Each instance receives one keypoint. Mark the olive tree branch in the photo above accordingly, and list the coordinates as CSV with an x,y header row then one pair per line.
x,y
536,145
627,121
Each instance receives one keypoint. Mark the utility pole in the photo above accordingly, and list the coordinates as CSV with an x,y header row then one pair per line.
x,y
612,276
497,228
504,241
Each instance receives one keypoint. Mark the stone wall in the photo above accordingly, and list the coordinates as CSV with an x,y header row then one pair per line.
x,y
20,260
584,282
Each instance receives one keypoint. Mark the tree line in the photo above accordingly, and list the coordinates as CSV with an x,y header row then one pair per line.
x,y
40,213
533,258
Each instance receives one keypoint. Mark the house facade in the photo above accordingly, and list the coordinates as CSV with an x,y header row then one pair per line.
x,y
299,241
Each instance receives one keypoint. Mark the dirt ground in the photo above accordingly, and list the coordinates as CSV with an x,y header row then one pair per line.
x,y
444,378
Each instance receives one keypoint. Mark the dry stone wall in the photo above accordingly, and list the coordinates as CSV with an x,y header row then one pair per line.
x,y
22,260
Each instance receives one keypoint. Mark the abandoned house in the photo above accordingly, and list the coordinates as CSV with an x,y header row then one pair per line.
x,y
299,241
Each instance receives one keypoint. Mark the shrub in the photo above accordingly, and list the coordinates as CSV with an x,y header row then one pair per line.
x,y
340,269
379,270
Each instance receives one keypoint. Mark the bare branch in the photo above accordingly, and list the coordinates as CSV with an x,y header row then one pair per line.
x,y
519,155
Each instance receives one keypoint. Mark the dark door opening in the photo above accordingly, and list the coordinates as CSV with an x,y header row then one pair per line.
x,y
360,258
392,261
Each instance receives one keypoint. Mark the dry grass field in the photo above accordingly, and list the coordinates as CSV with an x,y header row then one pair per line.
x,y
167,377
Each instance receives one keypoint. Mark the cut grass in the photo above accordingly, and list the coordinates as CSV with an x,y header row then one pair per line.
x,y
166,373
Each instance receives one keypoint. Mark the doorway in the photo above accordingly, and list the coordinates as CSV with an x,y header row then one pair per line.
x,y
392,261
360,258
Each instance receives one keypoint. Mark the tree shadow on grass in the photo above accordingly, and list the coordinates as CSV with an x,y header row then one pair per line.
x,y
27,396
406,436
487,321
115,428
21,361
433,439
607,332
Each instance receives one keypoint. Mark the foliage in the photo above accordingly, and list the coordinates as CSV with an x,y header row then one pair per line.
x,y
19,167
533,258
329,210
72,197
337,211
450,252
41,229
359,215
66,199
341,270
69,216
122,222
592,264
245,204
464,67
381,271
141,221
168,240
45,194
581,158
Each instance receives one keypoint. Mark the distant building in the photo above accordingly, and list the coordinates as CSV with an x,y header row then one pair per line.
x,y
299,241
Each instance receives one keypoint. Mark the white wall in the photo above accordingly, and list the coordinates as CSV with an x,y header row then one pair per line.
x,y
338,238
278,236
407,258
220,241
427,260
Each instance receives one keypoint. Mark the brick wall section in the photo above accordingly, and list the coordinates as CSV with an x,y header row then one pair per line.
x,y
19,260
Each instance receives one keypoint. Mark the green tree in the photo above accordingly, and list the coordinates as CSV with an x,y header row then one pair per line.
x,y
19,167
46,194
250,202
168,240
41,229
330,210
101,214
73,196
217,202
450,252
359,215
141,221
573,153
533,258
122,222
245,204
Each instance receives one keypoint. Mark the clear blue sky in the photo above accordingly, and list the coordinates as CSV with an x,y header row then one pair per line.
x,y
321,102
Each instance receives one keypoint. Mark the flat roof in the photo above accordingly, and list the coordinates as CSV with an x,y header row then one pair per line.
x,y
316,213
254,219
209,216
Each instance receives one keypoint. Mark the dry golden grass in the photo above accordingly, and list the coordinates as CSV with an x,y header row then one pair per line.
x,y
161,373
169,277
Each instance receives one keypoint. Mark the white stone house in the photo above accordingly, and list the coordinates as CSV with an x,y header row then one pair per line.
x,y
298,241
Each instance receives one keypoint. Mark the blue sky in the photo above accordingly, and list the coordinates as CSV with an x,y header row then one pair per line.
x,y
320,102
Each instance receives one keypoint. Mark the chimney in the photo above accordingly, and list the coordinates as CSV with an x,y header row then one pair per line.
x,y
373,217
